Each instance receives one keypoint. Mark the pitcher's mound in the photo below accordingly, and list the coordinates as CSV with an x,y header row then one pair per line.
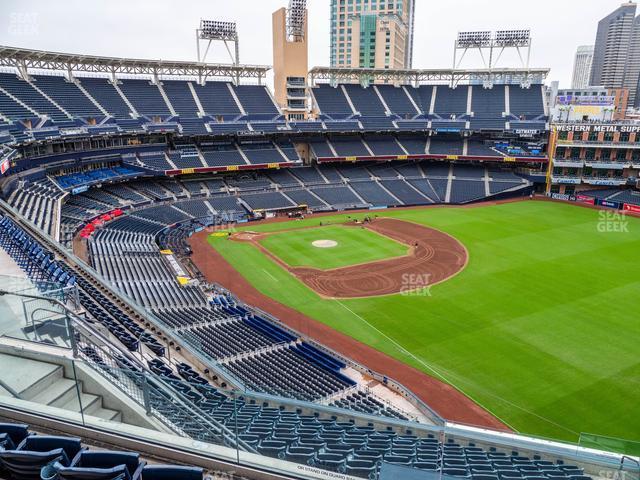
x,y
324,243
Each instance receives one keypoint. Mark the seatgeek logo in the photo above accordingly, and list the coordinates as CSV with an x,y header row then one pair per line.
x,y
416,285
23,24
612,222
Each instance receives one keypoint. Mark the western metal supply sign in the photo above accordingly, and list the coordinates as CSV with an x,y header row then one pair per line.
x,y
617,128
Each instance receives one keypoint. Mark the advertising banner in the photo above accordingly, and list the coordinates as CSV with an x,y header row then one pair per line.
x,y
561,196
585,199
609,203
4,166
629,207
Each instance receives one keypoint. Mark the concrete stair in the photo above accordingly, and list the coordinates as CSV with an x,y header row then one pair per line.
x,y
45,383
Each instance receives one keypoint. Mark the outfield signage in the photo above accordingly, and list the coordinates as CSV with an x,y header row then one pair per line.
x,y
629,207
585,199
609,203
562,196
622,128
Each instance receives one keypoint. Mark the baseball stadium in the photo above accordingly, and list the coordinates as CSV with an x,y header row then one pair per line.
x,y
352,273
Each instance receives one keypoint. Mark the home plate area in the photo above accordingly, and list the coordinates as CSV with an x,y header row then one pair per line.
x,y
324,243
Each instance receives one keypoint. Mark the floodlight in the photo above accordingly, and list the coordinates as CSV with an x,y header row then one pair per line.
x,y
215,30
296,16
474,39
513,38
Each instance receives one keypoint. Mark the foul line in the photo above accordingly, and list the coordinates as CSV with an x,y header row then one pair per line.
x,y
442,377
272,277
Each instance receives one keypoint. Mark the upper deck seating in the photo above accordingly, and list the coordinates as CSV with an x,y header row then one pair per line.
x,y
67,95
28,95
331,101
144,96
103,91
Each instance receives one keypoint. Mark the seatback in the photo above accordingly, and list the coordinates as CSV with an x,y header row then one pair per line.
x,y
118,472
171,472
36,451
14,433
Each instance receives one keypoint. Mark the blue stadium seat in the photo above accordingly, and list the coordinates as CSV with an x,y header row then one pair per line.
x,y
12,434
170,472
34,452
102,465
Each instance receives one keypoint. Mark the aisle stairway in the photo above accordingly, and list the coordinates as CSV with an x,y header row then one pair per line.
x,y
46,384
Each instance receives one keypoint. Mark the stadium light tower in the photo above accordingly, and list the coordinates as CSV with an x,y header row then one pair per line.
x,y
296,20
211,31
488,43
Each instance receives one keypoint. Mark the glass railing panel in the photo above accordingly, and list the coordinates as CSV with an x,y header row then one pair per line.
x,y
34,311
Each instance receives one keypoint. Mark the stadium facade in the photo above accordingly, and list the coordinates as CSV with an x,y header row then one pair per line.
x,y
594,160
105,177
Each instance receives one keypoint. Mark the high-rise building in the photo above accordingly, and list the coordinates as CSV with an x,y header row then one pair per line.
x,y
616,55
372,33
582,67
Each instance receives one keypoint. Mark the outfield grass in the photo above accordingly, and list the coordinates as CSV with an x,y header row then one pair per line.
x,y
355,245
541,327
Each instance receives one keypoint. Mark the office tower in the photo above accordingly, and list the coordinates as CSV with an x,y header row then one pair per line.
x,y
582,67
372,33
616,55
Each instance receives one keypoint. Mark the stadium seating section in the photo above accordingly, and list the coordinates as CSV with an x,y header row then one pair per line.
x,y
25,454
42,106
62,204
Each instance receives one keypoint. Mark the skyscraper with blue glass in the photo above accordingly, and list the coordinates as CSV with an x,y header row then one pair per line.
x,y
372,33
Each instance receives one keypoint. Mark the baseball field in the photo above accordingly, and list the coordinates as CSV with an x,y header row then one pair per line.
x,y
346,246
540,327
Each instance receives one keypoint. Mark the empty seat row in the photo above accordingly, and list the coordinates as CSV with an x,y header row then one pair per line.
x,y
27,455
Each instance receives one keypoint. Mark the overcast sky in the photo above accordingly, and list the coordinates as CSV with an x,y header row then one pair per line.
x,y
165,28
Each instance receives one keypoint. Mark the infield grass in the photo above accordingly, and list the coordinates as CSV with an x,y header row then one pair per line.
x,y
541,328
354,245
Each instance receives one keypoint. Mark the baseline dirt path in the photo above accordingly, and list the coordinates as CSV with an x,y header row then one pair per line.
x,y
433,257
443,398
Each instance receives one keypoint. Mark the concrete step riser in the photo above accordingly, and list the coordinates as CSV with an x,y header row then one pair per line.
x,y
107,414
57,394
90,403
42,384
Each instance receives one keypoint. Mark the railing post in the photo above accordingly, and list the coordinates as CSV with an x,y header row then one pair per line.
x,y
71,331
145,393
78,391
